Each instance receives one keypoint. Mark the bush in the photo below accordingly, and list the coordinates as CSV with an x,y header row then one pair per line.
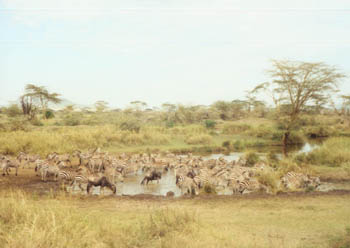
x,y
251,158
226,144
270,180
210,124
18,125
49,114
169,124
13,110
238,145
319,132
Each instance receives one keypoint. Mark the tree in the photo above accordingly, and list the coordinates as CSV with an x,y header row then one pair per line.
x,y
41,94
35,97
301,84
101,106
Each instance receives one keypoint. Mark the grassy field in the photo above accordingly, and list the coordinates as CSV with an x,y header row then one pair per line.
x,y
32,217
27,220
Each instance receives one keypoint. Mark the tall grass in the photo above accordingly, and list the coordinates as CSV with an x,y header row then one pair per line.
x,y
27,222
68,139
333,152
31,221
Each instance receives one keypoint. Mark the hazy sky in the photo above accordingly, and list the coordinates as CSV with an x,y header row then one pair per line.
x,y
179,51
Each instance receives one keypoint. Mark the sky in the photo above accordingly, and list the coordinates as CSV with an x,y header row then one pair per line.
x,y
157,51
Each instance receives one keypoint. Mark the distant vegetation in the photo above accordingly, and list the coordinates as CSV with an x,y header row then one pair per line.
x,y
301,109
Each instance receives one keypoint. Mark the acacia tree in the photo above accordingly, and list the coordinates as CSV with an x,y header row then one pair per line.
x,y
36,97
297,85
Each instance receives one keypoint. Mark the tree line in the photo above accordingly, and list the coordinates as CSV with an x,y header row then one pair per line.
x,y
295,88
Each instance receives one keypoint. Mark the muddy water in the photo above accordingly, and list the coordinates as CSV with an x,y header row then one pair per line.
x,y
132,186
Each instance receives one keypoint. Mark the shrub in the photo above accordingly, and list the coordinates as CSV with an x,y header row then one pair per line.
x,y
169,124
18,125
209,124
226,144
49,114
251,158
13,110
270,180
319,131
238,145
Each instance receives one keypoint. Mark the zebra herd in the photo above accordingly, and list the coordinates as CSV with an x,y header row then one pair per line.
x,y
193,174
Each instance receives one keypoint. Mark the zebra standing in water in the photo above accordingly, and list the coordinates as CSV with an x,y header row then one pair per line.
x,y
187,185
249,185
293,180
66,177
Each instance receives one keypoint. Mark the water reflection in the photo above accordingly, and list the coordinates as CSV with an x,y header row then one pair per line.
x,y
132,186
306,148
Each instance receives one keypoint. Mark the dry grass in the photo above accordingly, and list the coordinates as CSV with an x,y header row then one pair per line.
x,y
28,221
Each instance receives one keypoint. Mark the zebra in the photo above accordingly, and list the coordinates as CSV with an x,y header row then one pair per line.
x,y
66,176
79,179
47,170
21,157
82,176
96,165
31,159
293,180
7,164
83,158
249,185
203,178
4,165
187,185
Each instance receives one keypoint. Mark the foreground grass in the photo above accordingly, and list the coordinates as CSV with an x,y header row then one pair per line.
x,y
63,221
